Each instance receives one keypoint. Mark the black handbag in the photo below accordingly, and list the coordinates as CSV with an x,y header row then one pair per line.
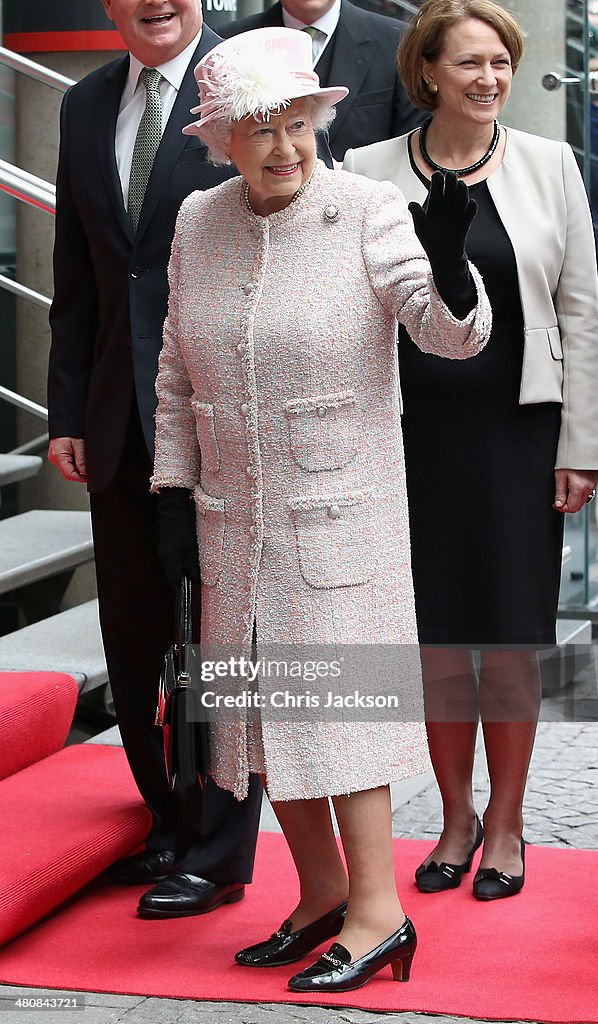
x,y
184,728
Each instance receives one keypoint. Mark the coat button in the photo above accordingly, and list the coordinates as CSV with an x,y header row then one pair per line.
x,y
244,409
241,348
322,411
253,531
136,273
331,212
247,288
249,471
334,511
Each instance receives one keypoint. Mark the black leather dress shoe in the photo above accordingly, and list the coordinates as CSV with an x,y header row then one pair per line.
x,y
335,972
286,946
183,895
143,868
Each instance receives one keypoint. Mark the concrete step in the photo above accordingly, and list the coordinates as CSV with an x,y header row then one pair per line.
x,y
109,737
68,642
560,665
42,543
18,467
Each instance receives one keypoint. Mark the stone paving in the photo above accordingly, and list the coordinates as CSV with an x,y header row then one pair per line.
x,y
561,809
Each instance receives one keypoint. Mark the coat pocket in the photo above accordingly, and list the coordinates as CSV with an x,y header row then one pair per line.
x,y
333,535
211,530
542,372
206,435
323,431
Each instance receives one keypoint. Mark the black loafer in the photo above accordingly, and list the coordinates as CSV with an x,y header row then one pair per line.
x,y
335,972
143,868
286,946
183,895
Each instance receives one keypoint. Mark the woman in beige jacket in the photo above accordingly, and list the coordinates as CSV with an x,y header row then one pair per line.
x,y
496,450
278,409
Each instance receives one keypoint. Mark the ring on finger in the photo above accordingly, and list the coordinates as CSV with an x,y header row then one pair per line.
x,y
591,496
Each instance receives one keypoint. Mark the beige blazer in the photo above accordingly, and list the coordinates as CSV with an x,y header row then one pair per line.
x,y
278,406
541,200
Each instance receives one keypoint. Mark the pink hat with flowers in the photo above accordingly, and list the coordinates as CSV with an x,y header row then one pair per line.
x,y
256,74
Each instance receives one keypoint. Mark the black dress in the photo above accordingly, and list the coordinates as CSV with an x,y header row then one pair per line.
x,y
486,542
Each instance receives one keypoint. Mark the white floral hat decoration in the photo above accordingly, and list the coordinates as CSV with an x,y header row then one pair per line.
x,y
256,74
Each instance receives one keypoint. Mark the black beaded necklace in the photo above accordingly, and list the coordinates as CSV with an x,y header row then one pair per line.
x,y
463,170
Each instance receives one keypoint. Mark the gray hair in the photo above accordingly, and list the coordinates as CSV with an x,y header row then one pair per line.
x,y
321,112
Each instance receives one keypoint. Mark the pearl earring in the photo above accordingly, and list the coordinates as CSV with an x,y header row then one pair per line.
x,y
432,86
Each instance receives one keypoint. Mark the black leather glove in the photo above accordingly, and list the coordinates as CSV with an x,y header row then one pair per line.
x,y
441,225
177,538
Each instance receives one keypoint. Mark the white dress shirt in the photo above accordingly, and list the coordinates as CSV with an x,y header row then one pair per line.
x,y
326,24
132,105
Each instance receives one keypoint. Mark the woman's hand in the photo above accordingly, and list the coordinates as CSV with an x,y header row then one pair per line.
x,y
442,223
177,539
573,488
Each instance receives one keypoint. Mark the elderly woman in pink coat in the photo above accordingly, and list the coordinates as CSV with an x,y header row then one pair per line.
x,y
278,412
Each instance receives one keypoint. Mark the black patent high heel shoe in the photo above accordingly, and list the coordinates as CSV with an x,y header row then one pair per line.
x,y
490,884
334,971
286,946
434,877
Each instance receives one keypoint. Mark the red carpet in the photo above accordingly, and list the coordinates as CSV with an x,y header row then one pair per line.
x,y
532,957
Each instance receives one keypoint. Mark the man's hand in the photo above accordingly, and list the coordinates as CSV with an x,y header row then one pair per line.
x,y
573,487
68,455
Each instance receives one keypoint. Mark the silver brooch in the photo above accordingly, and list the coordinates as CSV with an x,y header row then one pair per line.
x,y
331,212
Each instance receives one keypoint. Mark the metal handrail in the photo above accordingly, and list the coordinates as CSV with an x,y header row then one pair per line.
x,y
36,71
27,188
23,403
24,293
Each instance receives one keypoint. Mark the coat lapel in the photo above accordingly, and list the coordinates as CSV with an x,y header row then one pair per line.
x,y
173,141
354,53
107,113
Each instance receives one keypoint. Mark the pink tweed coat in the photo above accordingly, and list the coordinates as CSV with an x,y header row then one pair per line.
x,y
278,407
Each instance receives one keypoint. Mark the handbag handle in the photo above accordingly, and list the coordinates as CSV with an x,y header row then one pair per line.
x,y
183,635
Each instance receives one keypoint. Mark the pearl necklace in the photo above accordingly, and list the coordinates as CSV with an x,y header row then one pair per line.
x,y
298,193
463,170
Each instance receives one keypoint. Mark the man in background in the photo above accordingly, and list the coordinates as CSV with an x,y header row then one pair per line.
x,y
355,48
124,169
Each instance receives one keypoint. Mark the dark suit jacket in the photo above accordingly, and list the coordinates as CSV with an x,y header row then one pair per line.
x,y
363,58
111,286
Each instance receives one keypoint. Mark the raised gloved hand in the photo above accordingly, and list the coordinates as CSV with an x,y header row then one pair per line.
x,y
177,538
441,225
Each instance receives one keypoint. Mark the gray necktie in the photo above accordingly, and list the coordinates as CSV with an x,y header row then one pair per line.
x,y
316,34
147,141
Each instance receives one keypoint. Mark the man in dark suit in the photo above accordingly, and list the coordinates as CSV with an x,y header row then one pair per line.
x,y
355,48
109,306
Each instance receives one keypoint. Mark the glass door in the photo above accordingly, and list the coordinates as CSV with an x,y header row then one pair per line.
x,y
555,94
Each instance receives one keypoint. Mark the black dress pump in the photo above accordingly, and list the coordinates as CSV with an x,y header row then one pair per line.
x,y
490,884
334,971
434,877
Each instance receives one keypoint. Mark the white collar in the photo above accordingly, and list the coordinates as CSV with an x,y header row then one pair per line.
x,y
327,23
173,71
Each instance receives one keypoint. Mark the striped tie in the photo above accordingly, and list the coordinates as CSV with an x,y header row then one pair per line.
x,y
147,141
316,34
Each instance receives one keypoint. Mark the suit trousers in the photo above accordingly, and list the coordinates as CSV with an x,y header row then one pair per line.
x,y
213,834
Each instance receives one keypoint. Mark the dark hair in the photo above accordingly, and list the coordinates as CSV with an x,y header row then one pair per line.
x,y
424,39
